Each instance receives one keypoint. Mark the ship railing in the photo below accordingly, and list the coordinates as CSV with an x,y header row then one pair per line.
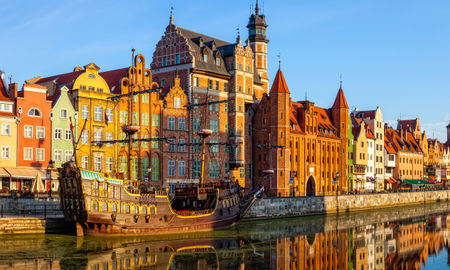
x,y
160,193
194,213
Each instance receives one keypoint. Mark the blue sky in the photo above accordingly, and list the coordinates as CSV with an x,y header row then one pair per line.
x,y
392,54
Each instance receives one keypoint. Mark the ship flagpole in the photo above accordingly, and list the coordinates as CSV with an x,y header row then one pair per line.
x,y
130,116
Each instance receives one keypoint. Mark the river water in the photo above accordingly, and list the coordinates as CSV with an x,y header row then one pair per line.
x,y
402,238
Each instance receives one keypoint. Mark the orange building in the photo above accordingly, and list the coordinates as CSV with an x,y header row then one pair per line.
x,y
306,146
212,70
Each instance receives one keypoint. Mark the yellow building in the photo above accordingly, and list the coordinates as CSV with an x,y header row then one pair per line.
x,y
360,153
90,93
8,132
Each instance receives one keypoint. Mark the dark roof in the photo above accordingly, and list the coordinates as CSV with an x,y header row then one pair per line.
x,y
113,77
193,40
406,124
364,114
61,79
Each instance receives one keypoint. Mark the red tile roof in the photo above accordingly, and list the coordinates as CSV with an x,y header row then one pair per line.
x,y
369,133
388,146
66,78
113,77
279,84
340,101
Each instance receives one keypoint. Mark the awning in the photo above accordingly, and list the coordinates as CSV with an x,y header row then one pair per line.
x,y
3,173
390,180
417,182
91,175
26,172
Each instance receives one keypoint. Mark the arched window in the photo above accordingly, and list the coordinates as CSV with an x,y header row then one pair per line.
x,y
34,112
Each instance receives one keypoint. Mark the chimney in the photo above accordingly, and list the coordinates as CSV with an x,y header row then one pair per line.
x,y
12,90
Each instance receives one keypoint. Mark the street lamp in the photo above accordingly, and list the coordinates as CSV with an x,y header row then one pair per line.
x,y
51,165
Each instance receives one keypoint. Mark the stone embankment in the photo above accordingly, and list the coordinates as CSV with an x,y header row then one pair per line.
x,y
304,206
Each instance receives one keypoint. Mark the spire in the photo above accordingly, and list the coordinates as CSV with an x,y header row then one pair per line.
x,y
238,38
279,61
171,15
340,81
256,8
279,84
340,101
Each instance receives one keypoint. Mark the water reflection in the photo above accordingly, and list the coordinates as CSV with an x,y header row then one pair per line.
x,y
404,238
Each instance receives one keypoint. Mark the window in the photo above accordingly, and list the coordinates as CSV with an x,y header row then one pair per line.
x,y
6,107
171,123
145,98
6,129
58,133
85,162
196,124
181,168
28,153
40,133
164,61
177,58
68,155
250,170
214,169
196,169
109,164
210,84
214,125
171,165
218,61
85,137
181,123
28,132
109,137
240,66
135,120
182,147
196,81
197,146
98,134
91,88
40,154
68,134
57,155
155,169
63,113
97,163
84,111
177,102
98,113
217,106
123,117
214,146
205,58
172,147
241,172
155,120
217,85
34,112
5,152
109,115
82,87
163,83
100,90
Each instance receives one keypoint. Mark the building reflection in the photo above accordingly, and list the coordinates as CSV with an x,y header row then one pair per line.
x,y
405,244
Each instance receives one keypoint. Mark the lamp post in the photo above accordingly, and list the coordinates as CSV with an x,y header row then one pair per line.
x,y
51,165
337,192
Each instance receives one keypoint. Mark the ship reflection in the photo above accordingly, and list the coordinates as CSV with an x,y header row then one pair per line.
x,y
298,243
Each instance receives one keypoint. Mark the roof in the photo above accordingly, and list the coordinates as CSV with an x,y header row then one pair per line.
x,y
113,77
407,124
388,146
62,79
193,41
3,90
279,84
369,133
364,114
340,101
33,85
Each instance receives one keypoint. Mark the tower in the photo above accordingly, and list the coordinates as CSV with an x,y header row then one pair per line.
x,y
279,134
258,42
340,117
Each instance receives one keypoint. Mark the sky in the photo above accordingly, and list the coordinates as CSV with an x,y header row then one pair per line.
x,y
392,54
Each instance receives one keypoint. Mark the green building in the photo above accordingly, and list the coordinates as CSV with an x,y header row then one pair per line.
x,y
62,110
351,185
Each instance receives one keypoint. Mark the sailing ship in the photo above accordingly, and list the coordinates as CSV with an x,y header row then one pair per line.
x,y
103,205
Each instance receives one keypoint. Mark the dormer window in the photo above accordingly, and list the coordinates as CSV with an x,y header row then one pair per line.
x,y
92,76
205,58
201,43
218,61
34,112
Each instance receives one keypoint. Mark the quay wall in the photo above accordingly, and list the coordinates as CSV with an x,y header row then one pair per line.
x,y
304,206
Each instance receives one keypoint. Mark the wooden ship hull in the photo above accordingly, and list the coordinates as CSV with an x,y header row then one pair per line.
x,y
105,206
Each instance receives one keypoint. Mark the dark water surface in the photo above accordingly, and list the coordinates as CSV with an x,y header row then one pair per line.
x,y
401,238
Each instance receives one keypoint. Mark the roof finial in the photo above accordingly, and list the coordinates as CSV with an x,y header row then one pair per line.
x,y
279,61
340,81
171,14
238,38
256,8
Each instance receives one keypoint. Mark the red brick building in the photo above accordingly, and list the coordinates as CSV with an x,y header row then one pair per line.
x,y
211,69
306,146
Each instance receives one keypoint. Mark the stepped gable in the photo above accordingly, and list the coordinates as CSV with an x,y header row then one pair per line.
x,y
279,84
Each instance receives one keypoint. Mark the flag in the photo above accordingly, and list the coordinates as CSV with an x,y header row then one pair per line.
x,y
71,125
106,118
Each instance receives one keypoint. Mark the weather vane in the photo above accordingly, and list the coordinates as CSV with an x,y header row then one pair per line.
x,y
279,60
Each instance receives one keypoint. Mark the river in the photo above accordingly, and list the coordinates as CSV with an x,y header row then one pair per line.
x,y
415,237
